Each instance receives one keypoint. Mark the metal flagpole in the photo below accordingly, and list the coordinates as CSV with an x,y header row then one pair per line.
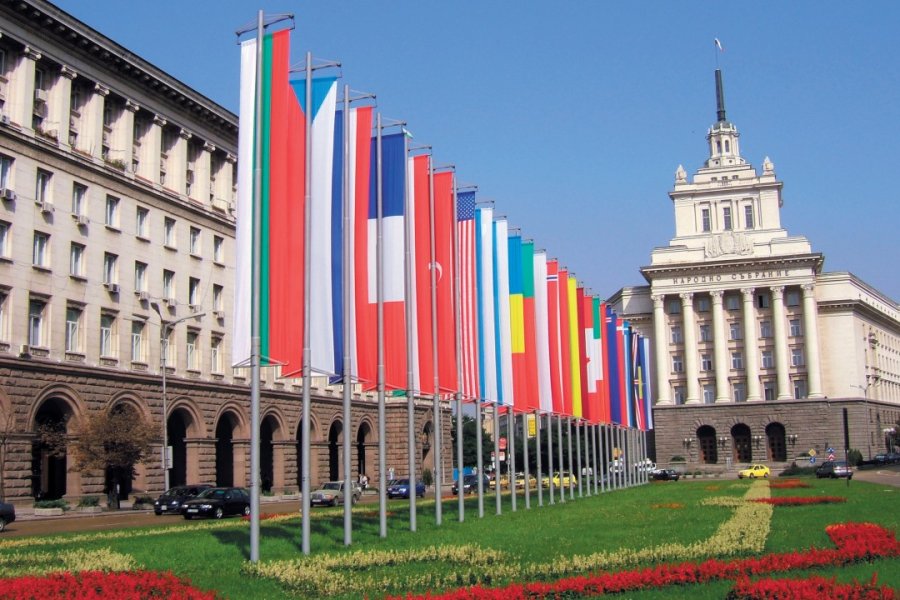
x,y
511,460
497,458
438,471
559,456
539,480
581,472
598,458
307,312
526,469
255,343
550,454
348,483
571,458
410,348
379,257
459,368
479,457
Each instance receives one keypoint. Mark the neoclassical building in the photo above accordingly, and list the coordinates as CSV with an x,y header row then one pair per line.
x,y
117,183
756,349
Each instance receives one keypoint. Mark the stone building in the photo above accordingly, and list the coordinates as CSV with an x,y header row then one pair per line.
x,y
756,349
117,183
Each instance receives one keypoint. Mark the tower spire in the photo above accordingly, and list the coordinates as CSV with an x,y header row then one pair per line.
x,y
720,97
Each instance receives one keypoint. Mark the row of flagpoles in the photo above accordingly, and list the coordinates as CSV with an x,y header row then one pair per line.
x,y
359,259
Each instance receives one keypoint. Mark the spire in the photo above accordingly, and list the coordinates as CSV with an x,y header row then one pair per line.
x,y
720,97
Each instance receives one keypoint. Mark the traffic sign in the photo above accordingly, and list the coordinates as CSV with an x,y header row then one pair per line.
x,y
831,456
502,443
812,460
830,450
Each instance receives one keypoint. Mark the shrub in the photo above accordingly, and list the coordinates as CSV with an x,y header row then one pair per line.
x,y
142,500
855,457
427,477
88,501
797,470
52,504
677,459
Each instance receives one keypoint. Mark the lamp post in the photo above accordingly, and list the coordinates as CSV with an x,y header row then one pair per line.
x,y
165,328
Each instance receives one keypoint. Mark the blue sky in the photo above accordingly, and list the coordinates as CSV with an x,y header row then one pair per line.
x,y
573,116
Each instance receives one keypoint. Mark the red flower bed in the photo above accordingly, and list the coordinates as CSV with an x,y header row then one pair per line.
x,y
96,585
800,500
854,542
787,484
814,588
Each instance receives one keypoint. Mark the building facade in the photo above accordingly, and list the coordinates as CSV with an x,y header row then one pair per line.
x,y
117,183
756,349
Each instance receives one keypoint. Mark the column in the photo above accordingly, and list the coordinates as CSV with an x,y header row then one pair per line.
x,y
781,348
690,348
176,165
720,348
201,190
20,90
661,348
811,340
59,105
121,146
751,347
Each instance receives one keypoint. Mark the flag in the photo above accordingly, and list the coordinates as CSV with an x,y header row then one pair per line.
x,y
419,186
281,259
501,312
542,332
648,388
575,364
719,45
553,334
612,371
445,273
468,293
487,345
517,322
591,371
532,385
565,347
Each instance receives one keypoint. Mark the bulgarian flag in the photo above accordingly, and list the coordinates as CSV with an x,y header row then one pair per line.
x,y
281,206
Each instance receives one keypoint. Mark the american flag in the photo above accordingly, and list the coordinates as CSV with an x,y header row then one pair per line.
x,y
465,232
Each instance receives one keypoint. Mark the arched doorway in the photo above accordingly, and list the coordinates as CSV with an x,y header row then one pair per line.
x,y
706,438
362,439
225,429
299,457
122,476
177,433
267,453
49,461
775,442
743,451
334,462
427,444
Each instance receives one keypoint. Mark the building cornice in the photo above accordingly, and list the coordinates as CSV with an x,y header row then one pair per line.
x,y
813,260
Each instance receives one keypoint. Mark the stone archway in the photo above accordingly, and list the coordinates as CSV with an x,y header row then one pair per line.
x,y
226,465
427,440
334,453
776,447
743,450
362,442
271,462
706,439
180,421
50,477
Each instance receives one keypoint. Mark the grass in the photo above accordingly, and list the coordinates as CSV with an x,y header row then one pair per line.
x,y
648,516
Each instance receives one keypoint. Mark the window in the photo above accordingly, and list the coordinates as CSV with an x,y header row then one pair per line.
x,y
762,301
792,298
673,307
765,329
193,291
736,331
38,78
677,336
6,169
169,350
193,352
195,241
169,233
4,320
169,285
112,212
799,388
748,216
739,392
705,333
76,260
769,390
678,394
215,355
703,304
109,268
5,238
218,303
42,186
137,341
79,196
796,329
107,331
677,364
732,302
142,216
737,360
767,361
140,277
704,215
218,249
796,357
40,256
36,322
726,218
73,329
709,394
706,362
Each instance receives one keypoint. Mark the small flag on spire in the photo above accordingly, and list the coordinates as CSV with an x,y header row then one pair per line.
x,y
719,45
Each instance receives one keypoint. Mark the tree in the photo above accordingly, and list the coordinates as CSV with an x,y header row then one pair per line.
x,y
470,444
113,442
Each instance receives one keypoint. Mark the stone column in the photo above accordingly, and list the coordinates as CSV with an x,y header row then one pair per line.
x,y
151,150
240,448
661,343
280,450
720,343
122,140
781,348
20,90
751,347
59,105
690,348
811,340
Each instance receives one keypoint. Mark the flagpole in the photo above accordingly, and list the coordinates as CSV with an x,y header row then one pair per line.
x,y
348,371
571,458
307,310
525,468
559,456
255,343
585,430
496,420
479,457
539,480
410,348
598,458
550,454
380,378
438,505
581,472
459,367
511,461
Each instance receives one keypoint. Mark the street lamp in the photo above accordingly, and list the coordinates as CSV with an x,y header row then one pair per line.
x,y
165,328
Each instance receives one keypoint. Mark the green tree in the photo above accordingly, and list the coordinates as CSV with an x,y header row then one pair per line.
x,y
113,442
470,443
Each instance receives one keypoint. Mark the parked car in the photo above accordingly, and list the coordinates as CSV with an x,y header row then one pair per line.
x,y
754,471
7,514
331,493
217,502
400,489
520,481
665,475
565,480
834,469
171,500
886,458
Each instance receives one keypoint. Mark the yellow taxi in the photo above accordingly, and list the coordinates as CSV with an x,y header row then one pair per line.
x,y
564,480
754,471
520,481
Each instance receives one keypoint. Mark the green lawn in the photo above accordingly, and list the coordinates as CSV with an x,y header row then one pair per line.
x,y
638,518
